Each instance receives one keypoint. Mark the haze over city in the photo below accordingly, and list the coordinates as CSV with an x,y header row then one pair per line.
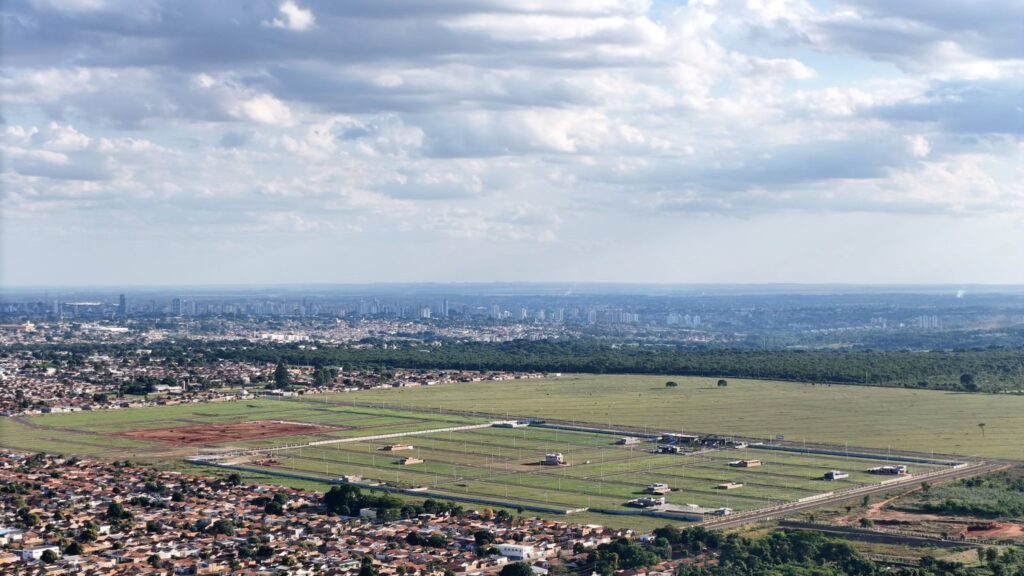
x,y
512,287
302,141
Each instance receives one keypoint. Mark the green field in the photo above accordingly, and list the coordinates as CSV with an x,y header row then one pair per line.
x,y
503,465
97,433
917,420
500,465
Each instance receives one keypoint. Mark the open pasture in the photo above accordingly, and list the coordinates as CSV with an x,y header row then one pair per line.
x,y
144,432
917,420
501,464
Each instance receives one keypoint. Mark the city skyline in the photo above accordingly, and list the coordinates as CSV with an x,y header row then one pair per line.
x,y
632,141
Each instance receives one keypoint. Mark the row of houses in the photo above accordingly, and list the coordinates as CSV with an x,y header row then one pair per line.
x,y
100,518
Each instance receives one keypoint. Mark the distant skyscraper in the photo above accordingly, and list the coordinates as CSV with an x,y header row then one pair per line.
x,y
122,306
444,308
425,312
176,307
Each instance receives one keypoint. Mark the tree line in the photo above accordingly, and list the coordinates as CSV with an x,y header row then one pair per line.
x,y
981,370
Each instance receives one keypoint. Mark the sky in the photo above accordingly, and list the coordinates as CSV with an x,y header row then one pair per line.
x,y
152,142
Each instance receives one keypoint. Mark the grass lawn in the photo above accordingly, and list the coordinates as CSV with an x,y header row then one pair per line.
x,y
96,433
503,464
920,420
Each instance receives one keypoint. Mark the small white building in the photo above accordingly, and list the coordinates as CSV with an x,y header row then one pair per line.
x,y
895,470
519,552
554,459
10,535
37,552
658,488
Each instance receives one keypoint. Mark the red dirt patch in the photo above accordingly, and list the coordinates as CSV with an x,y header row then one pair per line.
x,y
219,433
996,531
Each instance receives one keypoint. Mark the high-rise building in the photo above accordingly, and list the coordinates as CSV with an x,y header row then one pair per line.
x,y
444,308
122,306
176,307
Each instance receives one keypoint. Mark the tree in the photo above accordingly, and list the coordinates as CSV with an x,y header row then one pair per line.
x,y
282,378
670,384
49,556
516,569
223,526
967,382
723,383
366,567
73,549
115,511
483,537
235,479
982,426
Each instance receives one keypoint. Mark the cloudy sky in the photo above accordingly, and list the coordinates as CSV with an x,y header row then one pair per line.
x,y
251,141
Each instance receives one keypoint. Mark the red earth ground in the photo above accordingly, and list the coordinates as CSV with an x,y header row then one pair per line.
x,y
220,433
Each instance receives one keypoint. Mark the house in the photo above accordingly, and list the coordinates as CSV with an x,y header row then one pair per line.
x,y
511,424
729,485
396,447
409,461
9,535
646,502
679,439
37,552
719,442
658,488
669,449
894,470
554,459
518,552
627,441
836,475
745,463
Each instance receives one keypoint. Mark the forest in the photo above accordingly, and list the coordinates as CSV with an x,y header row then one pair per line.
x,y
976,370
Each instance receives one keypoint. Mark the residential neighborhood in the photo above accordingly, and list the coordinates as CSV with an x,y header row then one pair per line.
x,y
71,516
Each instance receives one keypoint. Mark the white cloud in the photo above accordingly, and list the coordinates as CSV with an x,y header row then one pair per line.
x,y
70,5
293,17
506,121
919,146
264,109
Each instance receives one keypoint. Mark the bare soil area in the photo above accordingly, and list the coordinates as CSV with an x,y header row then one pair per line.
x,y
221,433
